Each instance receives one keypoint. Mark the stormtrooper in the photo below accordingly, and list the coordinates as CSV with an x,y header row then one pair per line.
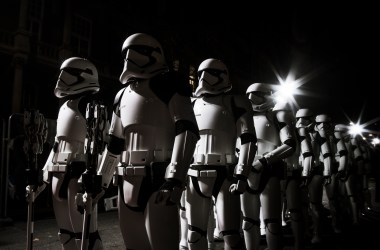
x,y
275,142
67,161
321,168
298,172
153,133
216,171
354,171
332,141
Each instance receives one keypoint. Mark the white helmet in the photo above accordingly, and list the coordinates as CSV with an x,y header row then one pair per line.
x,y
213,78
144,57
304,113
342,128
304,117
260,95
323,123
78,75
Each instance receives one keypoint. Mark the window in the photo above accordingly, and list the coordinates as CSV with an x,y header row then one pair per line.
x,y
81,36
36,10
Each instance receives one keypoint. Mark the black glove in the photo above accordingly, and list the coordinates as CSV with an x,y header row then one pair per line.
x,y
170,192
31,192
240,186
326,180
304,181
81,199
341,175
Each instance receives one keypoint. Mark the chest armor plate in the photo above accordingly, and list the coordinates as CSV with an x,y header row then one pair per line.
x,y
212,113
141,106
216,124
71,125
145,119
266,130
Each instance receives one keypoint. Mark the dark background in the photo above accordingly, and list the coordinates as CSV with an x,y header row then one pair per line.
x,y
334,44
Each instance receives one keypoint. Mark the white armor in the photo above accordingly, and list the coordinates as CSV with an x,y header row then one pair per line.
x,y
306,119
275,142
67,160
329,149
323,126
306,157
355,162
221,118
153,133
298,166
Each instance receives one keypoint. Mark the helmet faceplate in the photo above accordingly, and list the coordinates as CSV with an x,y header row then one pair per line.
x,y
260,95
213,78
78,75
323,123
304,117
144,57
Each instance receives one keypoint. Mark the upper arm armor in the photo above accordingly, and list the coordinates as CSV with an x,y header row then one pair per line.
x,y
305,142
287,137
243,113
341,148
182,112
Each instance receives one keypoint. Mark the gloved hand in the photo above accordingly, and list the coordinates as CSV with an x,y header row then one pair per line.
x,y
31,192
82,199
341,175
170,192
326,180
304,181
240,186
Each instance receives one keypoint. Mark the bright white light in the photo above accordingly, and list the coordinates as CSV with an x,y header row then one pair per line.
x,y
355,129
375,141
285,91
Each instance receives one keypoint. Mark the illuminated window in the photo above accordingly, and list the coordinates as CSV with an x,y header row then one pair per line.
x,y
192,77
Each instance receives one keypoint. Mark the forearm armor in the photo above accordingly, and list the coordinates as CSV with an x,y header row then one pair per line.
x,y
343,155
182,155
327,158
306,151
246,157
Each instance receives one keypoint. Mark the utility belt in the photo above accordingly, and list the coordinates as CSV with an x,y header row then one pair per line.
x,y
125,170
202,172
144,157
62,160
206,171
140,181
155,170
214,159
208,180
135,163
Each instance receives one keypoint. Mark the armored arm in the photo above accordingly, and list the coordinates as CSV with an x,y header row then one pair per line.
x,y
306,151
287,138
111,154
186,137
342,152
248,140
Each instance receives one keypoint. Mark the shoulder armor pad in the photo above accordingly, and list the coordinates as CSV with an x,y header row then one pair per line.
x,y
116,102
